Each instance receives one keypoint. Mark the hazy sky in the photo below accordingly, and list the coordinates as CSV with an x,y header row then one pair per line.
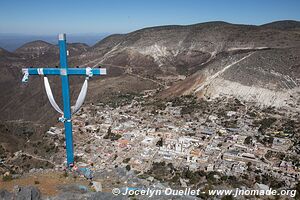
x,y
119,16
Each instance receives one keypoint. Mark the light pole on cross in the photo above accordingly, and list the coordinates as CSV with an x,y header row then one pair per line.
x,y
64,72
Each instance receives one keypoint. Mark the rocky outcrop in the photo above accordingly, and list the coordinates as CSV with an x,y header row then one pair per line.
x,y
21,193
268,77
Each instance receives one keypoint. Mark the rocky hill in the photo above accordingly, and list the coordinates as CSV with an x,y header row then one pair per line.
x,y
182,49
213,54
269,77
255,63
283,25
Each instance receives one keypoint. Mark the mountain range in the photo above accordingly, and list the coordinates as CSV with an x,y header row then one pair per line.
x,y
12,41
260,64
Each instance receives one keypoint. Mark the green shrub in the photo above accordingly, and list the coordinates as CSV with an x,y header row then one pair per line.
x,y
7,178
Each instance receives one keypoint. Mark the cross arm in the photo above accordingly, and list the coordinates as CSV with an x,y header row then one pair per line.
x,y
62,71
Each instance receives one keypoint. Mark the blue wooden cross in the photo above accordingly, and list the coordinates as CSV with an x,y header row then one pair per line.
x,y
64,73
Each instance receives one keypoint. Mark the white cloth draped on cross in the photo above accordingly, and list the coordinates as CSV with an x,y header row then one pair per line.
x,y
79,101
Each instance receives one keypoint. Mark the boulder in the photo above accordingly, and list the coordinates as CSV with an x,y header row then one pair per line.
x,y
97,186
5,195
28,193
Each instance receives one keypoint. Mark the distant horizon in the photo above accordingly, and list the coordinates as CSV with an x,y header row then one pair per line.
x,y
110,33
12,41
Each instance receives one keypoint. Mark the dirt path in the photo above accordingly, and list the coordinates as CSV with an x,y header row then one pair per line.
x,y
211,78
